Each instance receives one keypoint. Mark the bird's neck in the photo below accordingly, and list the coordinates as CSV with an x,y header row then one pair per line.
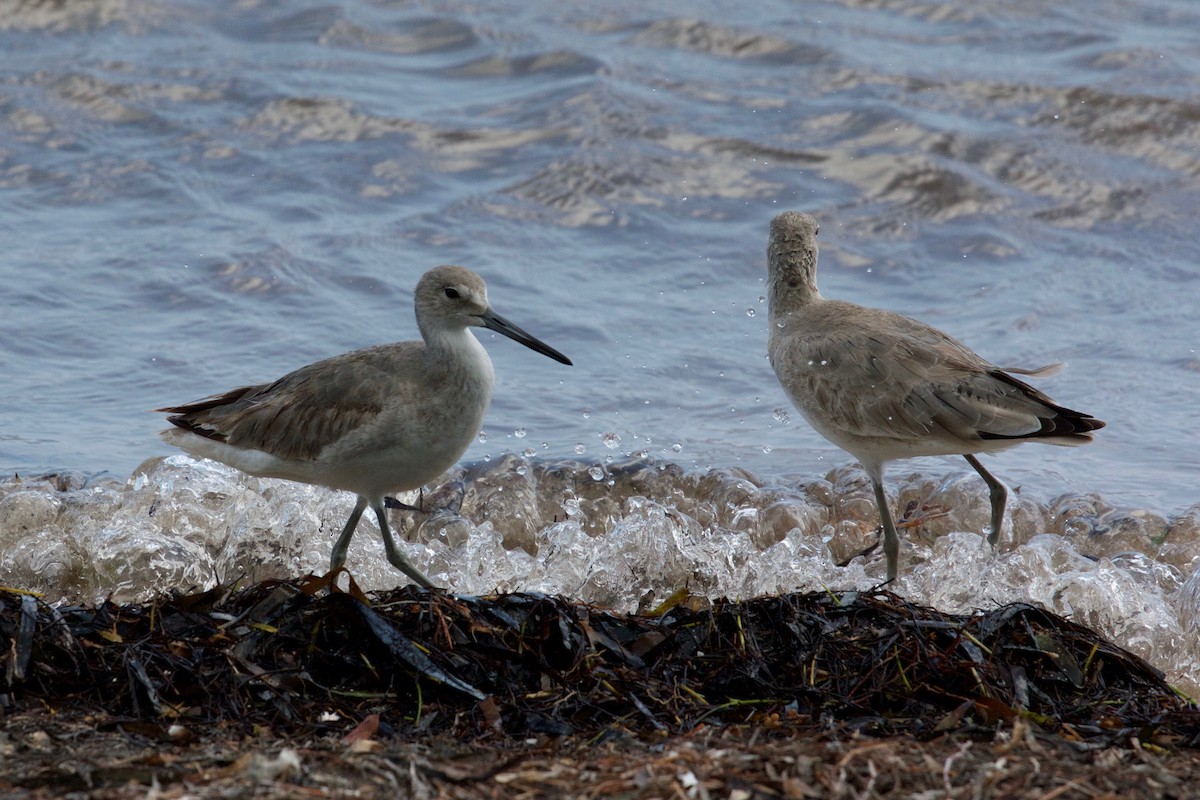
x,y
458,351
791,293
793,279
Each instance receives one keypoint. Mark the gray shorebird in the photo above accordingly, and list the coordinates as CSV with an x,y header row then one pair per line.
x,y
883,387
376,421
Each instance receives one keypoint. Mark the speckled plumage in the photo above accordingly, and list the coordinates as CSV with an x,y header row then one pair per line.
x,y
882,386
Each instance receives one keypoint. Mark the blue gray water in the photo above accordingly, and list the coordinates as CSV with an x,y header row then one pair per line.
x,y
197,195
201,195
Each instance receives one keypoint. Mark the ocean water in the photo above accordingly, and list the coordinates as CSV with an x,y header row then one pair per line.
x,y
196,196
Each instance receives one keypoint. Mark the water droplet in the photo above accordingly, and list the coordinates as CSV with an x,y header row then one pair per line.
x,y
781,415
528,452
766,448
519,433
677,447
749,312
580,449
587,412
520,470
611,440
597,473
483,436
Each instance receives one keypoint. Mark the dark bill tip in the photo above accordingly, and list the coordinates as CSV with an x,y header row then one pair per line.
x,y
494,322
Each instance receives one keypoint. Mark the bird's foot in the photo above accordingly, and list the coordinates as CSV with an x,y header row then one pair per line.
x,y
448,497
865,552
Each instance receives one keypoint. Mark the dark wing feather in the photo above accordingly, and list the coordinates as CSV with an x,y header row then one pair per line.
x,y
1056,420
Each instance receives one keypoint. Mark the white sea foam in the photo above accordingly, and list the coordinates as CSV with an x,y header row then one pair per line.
x,y
627,541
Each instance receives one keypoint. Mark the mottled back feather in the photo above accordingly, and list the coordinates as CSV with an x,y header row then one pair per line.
x,y
300,414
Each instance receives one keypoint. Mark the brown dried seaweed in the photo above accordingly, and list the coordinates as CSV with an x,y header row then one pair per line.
x,y
294,656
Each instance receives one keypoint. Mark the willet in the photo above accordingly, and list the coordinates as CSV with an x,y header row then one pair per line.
x,y
882,386
386,419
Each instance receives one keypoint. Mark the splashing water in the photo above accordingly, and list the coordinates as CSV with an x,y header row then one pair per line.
x,y
625,535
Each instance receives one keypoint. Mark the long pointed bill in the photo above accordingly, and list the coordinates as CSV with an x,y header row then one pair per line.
x,y
494,322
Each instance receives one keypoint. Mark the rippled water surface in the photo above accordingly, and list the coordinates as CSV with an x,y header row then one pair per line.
x,y
195,196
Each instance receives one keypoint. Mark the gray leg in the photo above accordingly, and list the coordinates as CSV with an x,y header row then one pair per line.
x,y
338,558
891,542
999,496
394,555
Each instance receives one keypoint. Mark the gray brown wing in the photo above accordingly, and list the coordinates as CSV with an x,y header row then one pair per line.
x,y
920,385
952,390
300,414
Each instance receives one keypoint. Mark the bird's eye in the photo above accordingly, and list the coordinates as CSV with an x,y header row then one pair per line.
x,y
817,231
451,292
